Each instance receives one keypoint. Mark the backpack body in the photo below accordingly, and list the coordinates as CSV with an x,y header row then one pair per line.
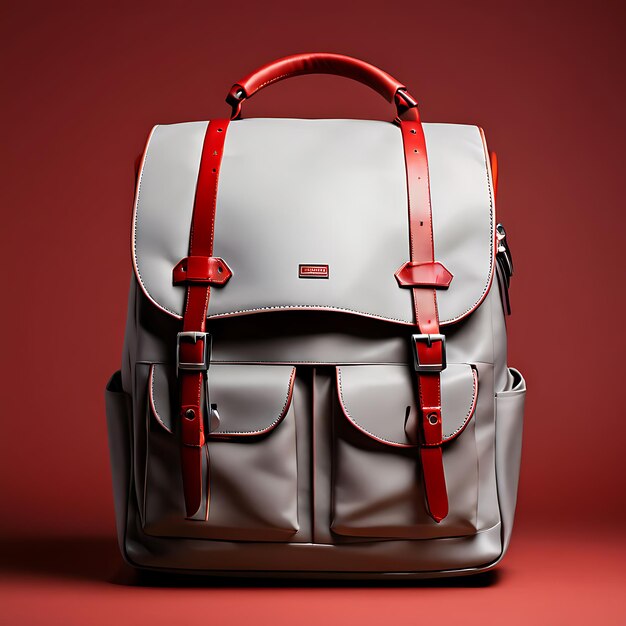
x,y
314,456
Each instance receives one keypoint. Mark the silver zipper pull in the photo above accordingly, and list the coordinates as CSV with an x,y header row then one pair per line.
x,y
504,251
214,419
504,266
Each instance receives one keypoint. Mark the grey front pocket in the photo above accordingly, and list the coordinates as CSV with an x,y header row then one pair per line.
x,y
377,485
509,427
250,491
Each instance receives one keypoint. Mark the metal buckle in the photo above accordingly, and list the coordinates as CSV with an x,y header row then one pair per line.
x,y
193,336
428,340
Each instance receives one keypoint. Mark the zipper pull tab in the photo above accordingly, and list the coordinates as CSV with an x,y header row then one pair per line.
x,y
504,262
214,419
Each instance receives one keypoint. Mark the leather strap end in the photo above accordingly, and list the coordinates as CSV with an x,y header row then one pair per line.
x,y
434,483
201,270
192,479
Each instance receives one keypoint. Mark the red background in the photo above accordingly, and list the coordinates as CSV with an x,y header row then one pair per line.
x,y
83,83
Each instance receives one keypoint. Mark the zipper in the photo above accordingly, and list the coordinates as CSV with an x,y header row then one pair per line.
x,y
504,266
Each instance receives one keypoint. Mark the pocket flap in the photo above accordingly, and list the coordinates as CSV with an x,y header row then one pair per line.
x,y
380,400
246,400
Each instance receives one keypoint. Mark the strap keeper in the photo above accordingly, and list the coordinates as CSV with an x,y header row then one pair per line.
x,y
201,270
428,341
434,275
193,337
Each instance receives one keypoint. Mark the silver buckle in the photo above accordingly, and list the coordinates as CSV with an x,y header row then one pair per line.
x,y
193,336
428,340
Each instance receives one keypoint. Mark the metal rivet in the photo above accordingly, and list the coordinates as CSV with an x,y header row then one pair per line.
x,y
190,414
219,130
219,269
413,131
433,419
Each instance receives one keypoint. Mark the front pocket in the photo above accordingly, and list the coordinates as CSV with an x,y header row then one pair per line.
x,y
250,475
377,483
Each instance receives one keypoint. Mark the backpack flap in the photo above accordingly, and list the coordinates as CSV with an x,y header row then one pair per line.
x,y
312,214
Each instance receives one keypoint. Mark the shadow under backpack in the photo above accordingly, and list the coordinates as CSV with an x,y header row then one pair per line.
x,y
314,378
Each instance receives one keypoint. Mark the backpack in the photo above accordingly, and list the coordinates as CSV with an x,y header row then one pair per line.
x,y
314,378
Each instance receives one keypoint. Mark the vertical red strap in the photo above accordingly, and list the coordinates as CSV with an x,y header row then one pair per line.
x,y
426,319
194,317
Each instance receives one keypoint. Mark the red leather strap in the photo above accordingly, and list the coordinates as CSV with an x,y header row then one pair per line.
x,y
194,316
426,319
323,63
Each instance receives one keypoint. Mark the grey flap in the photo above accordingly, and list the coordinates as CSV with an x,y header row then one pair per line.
x,y
380,400
329,192
249,399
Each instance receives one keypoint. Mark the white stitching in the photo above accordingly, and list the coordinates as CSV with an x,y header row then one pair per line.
x,y
269,82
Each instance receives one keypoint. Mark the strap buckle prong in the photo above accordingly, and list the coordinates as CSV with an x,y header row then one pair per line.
x,y
193,336
428,339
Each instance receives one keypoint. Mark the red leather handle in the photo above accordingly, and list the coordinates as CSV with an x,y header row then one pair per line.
x,y
324,63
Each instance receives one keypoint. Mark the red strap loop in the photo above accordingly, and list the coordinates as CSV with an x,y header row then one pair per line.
x,y
201,270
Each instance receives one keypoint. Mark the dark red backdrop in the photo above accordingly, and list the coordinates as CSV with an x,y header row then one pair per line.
x,y
82,86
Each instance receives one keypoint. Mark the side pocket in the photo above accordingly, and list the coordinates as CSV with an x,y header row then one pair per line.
x,y
509,427
118,412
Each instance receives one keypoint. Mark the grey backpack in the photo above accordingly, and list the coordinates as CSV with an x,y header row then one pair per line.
x,y
314,377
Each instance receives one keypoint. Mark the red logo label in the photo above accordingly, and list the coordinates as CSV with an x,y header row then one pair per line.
x,y
313,271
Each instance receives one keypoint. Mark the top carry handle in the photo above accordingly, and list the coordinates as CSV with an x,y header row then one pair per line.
x,y
324,63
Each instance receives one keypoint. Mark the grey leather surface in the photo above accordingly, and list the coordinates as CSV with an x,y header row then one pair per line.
x,y
377,489
319,191
409,559
377,559
294,485
481,337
